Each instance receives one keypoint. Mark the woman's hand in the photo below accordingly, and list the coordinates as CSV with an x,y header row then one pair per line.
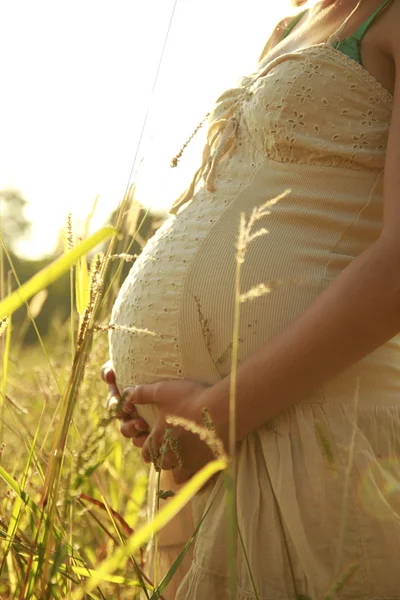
x,y
180,398
131,424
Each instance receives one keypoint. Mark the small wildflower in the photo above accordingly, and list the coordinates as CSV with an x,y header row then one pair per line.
x,y
154,455
174,444
165,494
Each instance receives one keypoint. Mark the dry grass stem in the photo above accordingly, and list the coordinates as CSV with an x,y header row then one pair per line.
x,y
206,435
132,212
175,160
70,238
338,585
205,329
125,257
225,353
95,280
245,235
17,406
115,327
95,290
207,336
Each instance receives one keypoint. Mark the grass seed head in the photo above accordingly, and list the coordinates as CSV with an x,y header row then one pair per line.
x,y
3,325
207,436
70,238
175,160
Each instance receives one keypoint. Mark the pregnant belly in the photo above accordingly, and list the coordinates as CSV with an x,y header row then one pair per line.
x,y
145,344
174,314
175,310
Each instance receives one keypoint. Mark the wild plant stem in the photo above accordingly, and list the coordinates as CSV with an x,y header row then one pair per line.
x,y
71,324
247,563
230,479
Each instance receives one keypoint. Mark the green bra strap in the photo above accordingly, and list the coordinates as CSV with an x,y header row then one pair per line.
x,y
292,24
361,31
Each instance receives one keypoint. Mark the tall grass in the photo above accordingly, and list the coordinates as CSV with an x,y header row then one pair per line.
x,y
72,521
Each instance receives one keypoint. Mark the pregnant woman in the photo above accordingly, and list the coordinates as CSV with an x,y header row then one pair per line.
x,y
318,382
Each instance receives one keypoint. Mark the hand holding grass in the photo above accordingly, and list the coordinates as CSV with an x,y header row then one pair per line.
x,y
132,425
181,451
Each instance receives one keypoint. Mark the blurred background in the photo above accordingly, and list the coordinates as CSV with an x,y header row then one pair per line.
x,y
98,95
96,99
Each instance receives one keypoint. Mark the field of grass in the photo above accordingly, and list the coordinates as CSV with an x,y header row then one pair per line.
x,y
73,491
73,521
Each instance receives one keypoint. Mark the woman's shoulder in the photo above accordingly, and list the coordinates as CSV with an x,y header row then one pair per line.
x,y
391,32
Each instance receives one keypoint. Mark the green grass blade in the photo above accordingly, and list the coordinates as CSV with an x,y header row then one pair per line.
x,y
168,576
18,504
137,498
52,272
118,579
6,356
253,583
120,556
231,528
14,485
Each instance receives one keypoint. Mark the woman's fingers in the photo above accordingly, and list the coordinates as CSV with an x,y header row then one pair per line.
x,y
140,439
132,427
181,475
113,398
136,430
107,373
113,395
151,449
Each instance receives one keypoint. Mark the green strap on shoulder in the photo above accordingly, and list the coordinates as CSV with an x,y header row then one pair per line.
x,y
361,31
292,24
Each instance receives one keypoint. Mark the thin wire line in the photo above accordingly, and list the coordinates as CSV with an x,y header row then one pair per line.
x,y
122,204
151,96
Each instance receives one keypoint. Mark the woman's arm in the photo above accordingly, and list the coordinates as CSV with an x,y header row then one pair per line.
x,y
357,313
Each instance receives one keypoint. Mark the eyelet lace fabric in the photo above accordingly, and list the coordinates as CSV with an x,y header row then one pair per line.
x,y
315,123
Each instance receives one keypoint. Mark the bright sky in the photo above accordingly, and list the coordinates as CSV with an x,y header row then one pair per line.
x,y
76,80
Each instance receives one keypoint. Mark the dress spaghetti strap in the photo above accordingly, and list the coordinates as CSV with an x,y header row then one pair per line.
x,y
361,31
292,24
334,39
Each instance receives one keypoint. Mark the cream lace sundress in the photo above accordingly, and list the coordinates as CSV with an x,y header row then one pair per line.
x,y
315,122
